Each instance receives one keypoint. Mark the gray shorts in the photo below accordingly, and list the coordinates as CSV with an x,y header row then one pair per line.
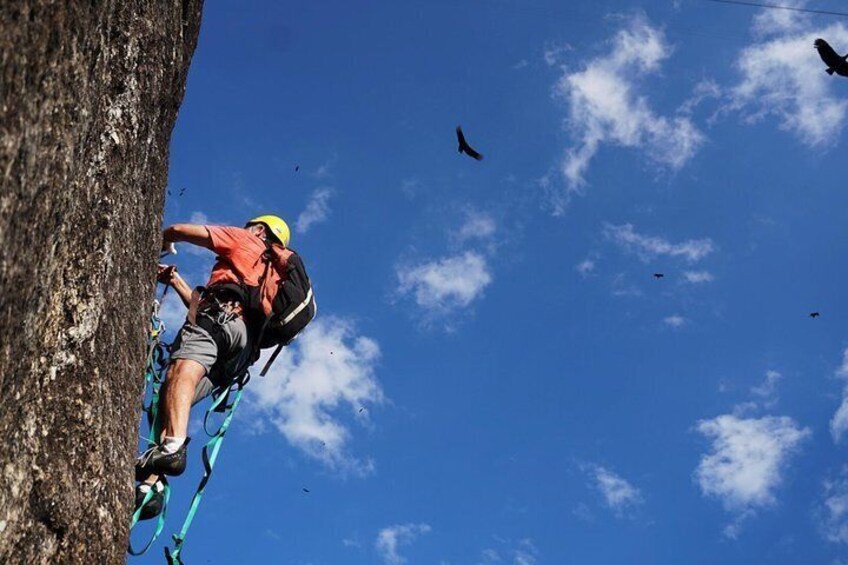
x,y
219,359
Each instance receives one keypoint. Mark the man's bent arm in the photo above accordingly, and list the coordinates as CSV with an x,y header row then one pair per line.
x,y
182,289
191,233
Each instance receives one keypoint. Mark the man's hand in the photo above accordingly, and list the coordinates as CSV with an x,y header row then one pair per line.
x,y
168,247
167,274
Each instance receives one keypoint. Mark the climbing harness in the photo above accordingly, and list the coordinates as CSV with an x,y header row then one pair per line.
x,y
225,400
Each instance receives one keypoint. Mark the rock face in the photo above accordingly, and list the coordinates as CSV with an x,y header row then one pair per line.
x,y
89,93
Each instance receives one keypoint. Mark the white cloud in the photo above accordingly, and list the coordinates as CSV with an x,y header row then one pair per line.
x,y
199,218
618,494
697,277
478,225
172,311
411,187
783,77
839,422
648,247
704,90
623,288
521,557
316,211
391,538
747,461
325,170
768,390
444,284
585,267
522,553
605,106
834,509
553,53
328,370
491,556
675,321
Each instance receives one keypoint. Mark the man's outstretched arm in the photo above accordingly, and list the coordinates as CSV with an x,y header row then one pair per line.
x,y
191,233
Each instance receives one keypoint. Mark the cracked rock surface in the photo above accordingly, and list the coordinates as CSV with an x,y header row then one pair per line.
x,y
89,93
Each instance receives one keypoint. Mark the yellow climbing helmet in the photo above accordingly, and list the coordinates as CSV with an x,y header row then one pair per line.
x,y
278,228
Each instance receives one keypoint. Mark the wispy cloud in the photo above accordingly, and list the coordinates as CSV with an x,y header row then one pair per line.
x,y
839,422
524,552
325,170
619,495
317,210
554,52
782,77
746,463
649,247
622,287
767,391
705,90
674,321
391,538
328,370
834,508
199,218
172,312
606,107
698,277
585,267
478,226
441,285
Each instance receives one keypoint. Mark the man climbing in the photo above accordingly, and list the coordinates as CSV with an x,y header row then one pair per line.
x,y
219,339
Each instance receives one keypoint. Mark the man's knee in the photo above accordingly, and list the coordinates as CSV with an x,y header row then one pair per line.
x,y
185,370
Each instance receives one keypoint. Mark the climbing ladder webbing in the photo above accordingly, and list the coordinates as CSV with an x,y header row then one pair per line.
x,y
210,454
154,375
156,369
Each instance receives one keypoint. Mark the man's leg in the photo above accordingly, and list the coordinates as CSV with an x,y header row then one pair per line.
x,y
169,456
177,393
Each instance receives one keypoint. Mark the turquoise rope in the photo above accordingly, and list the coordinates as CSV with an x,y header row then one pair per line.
x,y
157,367
210,454
154,375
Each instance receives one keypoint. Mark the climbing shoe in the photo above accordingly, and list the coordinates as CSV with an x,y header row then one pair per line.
x,y
155,503
154,461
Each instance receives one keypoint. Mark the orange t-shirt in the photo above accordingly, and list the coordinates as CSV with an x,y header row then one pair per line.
x,y
240,259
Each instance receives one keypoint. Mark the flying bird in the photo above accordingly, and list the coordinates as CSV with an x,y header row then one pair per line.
x,y
296,168
658,275
464,147
814,314
182,191
306,490
835,63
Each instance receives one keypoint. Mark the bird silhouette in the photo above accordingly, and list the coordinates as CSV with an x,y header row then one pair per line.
x,y
182,191
296,168
658,275
464,147
306,490
814,314
835,63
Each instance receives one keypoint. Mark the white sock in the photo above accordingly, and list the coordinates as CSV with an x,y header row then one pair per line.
x,y
170,444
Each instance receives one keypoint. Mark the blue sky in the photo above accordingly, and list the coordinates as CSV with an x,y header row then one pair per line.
x,y
495,376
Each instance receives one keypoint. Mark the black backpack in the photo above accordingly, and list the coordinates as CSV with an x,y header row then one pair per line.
x,y
292,308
